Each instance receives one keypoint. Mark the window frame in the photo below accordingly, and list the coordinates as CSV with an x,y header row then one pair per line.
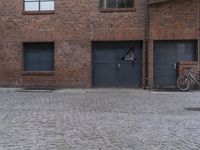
x,y
117,9
39,11
26,72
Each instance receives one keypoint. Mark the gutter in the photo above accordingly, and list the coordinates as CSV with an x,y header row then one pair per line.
x,y
198,33
146,22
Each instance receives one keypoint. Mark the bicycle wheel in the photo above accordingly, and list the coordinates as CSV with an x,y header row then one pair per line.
x,y
183,83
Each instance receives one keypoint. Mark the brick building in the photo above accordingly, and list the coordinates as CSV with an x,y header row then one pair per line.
x,y
96,43
173,39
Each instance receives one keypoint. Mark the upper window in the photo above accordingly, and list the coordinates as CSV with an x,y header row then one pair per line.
x,y
39,5
38,56
116,4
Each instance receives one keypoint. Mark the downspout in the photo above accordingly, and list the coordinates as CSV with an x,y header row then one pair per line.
x,y
198,33
146,24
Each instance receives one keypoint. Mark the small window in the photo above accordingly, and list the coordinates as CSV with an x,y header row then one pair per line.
x,y
39,5
38,56
116,4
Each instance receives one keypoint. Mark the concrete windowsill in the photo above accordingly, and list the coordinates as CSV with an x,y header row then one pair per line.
x,y
38,73
107,10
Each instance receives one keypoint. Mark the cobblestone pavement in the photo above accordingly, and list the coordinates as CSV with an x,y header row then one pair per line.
x,y
102,119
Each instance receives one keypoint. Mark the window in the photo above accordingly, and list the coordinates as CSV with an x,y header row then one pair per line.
x,y
39,5
116,4
38,56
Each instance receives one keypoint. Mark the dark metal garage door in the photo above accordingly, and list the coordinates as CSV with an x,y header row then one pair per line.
x,y
166,56
117,64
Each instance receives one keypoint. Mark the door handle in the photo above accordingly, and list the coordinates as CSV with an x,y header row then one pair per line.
x,y
175,66
119,66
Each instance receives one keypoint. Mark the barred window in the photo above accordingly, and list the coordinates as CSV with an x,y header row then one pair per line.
x,y
116,4
39,5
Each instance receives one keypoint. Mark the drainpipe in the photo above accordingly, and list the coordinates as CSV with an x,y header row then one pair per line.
x,y
146,23
198,33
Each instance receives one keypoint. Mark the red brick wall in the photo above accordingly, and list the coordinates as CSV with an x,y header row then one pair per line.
x,y
118,25
185,65
73,26
171,20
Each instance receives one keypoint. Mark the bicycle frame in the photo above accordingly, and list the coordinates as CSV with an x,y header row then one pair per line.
x,y
193,78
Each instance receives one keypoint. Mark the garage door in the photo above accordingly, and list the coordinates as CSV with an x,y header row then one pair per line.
x,y
117,64
167,55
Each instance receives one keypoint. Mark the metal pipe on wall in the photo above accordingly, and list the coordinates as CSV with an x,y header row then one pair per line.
x,y
198,11
146,22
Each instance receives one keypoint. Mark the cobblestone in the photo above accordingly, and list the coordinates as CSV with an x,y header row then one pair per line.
x,y
99,119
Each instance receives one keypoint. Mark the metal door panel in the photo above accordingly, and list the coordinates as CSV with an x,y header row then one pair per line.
x,y
127,77
167,55
104,75
109,70
104,56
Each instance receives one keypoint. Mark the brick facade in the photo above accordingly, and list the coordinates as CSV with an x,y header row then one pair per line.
x,y
171,20
74,25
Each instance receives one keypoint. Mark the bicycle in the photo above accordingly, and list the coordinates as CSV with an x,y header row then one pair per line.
x,y
184,82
